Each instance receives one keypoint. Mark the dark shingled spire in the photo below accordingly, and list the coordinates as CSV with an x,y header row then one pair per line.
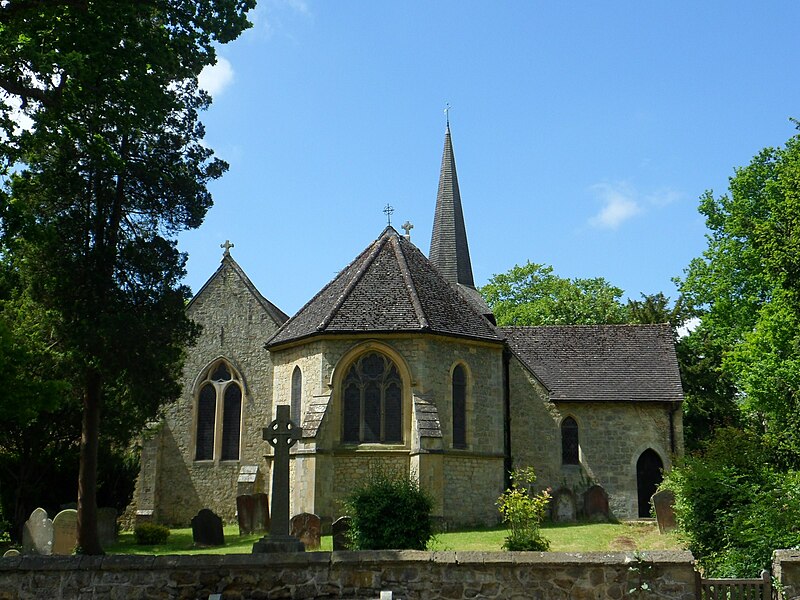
x,y
449,248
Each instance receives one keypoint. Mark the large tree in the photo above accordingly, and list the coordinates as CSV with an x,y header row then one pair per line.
x,y
532,294
109,169
747,285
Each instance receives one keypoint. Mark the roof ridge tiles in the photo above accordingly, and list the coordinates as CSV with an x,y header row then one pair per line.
x,y
402,261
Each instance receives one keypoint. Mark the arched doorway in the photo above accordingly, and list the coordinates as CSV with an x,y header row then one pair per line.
x,y
649,469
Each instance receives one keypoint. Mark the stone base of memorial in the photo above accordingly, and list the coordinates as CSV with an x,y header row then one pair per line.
x,y
273,544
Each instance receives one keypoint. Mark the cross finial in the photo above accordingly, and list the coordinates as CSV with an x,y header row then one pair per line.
x,y
447,114
388,209
227,246
407,227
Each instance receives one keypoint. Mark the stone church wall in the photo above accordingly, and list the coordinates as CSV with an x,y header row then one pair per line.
x,y
235,326
612,436
468,481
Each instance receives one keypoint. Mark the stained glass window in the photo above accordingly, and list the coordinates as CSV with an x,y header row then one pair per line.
x,y
372,401
569,442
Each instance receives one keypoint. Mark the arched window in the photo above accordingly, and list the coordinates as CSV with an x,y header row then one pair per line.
x,y
372,394
569,442
459,407
297,395
219,415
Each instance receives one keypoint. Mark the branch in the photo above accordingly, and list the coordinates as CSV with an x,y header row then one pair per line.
x,y
16,6
31,93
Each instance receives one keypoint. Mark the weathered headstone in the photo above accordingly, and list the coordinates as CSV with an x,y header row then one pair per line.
x,y
307,528
207,529
595,504
252,512
664,503
37,534
563,506
340,530
282,434
107,526
11,552
65,531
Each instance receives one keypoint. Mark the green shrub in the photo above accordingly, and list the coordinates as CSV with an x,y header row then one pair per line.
x,y
523,512
733,506
150,534
389,511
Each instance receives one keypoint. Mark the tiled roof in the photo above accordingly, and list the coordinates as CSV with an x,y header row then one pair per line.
x,y
390,287
601,362
228,263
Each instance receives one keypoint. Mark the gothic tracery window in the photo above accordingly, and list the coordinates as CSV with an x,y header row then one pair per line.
x,y
569,442
219,415
372,394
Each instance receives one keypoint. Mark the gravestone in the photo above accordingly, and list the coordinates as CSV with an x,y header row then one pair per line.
x,y
11,552
107,526
563,506
37,534
207,529
282,434
595,504
252,513
340,530
65,531
307,528
664,503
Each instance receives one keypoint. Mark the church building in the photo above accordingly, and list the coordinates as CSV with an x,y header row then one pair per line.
x,y
397,363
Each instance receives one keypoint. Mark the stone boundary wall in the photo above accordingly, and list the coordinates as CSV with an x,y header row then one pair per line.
x,y
786,573
409,575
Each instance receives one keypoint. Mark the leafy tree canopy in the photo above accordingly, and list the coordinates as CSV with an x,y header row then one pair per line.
x,y
532,294
747,286
109,169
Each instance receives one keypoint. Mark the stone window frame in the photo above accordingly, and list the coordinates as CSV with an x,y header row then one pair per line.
x,y
296,395
466,407
336,383
574,458
220,388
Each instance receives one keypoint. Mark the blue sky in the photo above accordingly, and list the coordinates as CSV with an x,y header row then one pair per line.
x,y
584,133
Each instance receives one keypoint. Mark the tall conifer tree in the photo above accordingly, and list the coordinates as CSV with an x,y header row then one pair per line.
x,y
108,170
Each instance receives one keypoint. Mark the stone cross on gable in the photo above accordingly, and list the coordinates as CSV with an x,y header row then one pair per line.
x,y
407,227
282,434
227,246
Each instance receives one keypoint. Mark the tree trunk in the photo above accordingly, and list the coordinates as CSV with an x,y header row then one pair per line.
x,y
88,540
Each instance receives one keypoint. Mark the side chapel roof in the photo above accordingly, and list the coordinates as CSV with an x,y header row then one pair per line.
x,y
390,287
228,263
609,363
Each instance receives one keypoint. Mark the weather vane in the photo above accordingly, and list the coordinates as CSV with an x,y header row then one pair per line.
x,y
447,114
388,209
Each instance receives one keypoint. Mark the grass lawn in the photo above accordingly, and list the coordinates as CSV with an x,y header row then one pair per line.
x,y
581,537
